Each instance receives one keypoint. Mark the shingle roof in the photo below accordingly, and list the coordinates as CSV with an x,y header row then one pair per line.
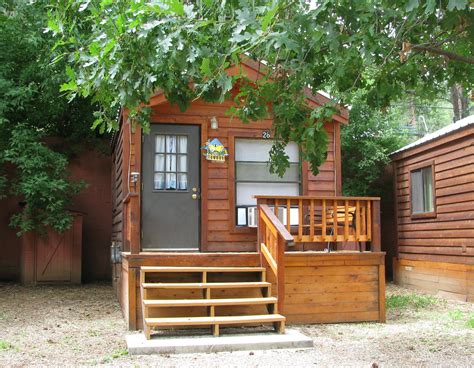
x,y
451,128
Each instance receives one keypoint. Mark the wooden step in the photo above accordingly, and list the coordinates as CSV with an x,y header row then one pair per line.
x,y
208,302
200,269
205,285
220,320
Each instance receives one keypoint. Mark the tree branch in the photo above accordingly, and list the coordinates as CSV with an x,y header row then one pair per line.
x,y
450,55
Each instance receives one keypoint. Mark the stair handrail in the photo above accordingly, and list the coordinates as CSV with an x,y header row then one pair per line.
x,y
273,238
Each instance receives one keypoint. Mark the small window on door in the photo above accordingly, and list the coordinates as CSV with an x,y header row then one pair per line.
x,y
422,191
252,177
171,162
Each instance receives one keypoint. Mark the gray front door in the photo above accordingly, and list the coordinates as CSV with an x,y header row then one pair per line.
x,y
170,198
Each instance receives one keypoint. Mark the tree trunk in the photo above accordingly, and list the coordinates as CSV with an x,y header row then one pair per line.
x,y
460,102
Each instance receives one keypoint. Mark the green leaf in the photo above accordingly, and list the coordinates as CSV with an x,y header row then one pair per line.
x,y
205,67
412,4
177,7
457,4
268,17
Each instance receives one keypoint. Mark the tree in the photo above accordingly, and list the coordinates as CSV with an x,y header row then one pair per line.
x,y
366,145
121,52
31,107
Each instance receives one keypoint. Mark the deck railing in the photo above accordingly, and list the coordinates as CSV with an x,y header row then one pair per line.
x,y
284,221
273,238
328,219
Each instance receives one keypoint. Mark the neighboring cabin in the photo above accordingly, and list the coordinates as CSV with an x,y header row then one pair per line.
x,y
434,194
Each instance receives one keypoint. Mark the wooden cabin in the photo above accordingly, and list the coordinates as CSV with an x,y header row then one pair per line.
x,y
216,240
434,193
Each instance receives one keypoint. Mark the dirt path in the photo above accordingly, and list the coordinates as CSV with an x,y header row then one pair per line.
x,y
83,326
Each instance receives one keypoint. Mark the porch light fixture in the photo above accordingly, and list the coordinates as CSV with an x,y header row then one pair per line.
x,y
214,123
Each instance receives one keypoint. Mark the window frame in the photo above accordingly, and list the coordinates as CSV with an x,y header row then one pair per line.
x,y
177,172
233,165
412,168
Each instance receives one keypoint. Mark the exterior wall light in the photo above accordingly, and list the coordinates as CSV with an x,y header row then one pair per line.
x,y
214,123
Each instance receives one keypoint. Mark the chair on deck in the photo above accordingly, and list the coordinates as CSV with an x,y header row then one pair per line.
x,y
333,220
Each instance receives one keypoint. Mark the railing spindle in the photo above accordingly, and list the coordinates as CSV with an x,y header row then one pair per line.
x,y
369,221
311,220
300,222
357,212
288,215
323,220
334,219
346,220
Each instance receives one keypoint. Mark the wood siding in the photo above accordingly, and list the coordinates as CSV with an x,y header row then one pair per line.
x,y
447,280
218,229
219,232
448,236
119,189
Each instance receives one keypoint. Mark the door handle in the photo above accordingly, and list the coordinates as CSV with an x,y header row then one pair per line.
x,y
195,196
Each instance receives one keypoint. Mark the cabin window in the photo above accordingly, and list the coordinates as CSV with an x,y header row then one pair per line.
x,y
252,177
171,162
422,195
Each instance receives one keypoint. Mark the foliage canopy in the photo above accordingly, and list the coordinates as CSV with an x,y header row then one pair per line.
x,y
31,108
121,52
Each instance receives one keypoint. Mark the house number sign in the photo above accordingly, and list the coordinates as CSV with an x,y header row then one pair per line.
x,y
266,134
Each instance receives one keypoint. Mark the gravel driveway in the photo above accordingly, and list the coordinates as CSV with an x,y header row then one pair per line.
x,y
83,326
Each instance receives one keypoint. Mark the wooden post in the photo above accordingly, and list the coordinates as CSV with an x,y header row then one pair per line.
x,y
376,244
281,273
135,230
260,233
382,293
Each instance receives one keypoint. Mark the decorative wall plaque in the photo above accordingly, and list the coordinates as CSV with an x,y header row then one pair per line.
x,y
214,150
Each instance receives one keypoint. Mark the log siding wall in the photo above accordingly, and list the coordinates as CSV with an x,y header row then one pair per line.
x,y
449,235
219,232
425,246
218,229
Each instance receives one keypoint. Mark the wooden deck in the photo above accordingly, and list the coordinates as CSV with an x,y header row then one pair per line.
x,y
320,287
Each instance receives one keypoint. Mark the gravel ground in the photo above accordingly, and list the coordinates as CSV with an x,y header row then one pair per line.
x,y
83,326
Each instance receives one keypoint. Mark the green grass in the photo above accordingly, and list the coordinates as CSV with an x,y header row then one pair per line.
x,y
455,315
470,321
4,345
116,354
411,301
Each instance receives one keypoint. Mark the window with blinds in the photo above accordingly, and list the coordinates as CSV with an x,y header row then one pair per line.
x,y
422,196
252,176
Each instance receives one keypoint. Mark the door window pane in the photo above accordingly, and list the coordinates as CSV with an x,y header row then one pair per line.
x,y
171,144
160,162
159,183
170,163
170,167
160,143
170,181
182,163
182,181
183,144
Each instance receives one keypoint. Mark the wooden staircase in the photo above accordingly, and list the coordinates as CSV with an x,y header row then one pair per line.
x,y
207,296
